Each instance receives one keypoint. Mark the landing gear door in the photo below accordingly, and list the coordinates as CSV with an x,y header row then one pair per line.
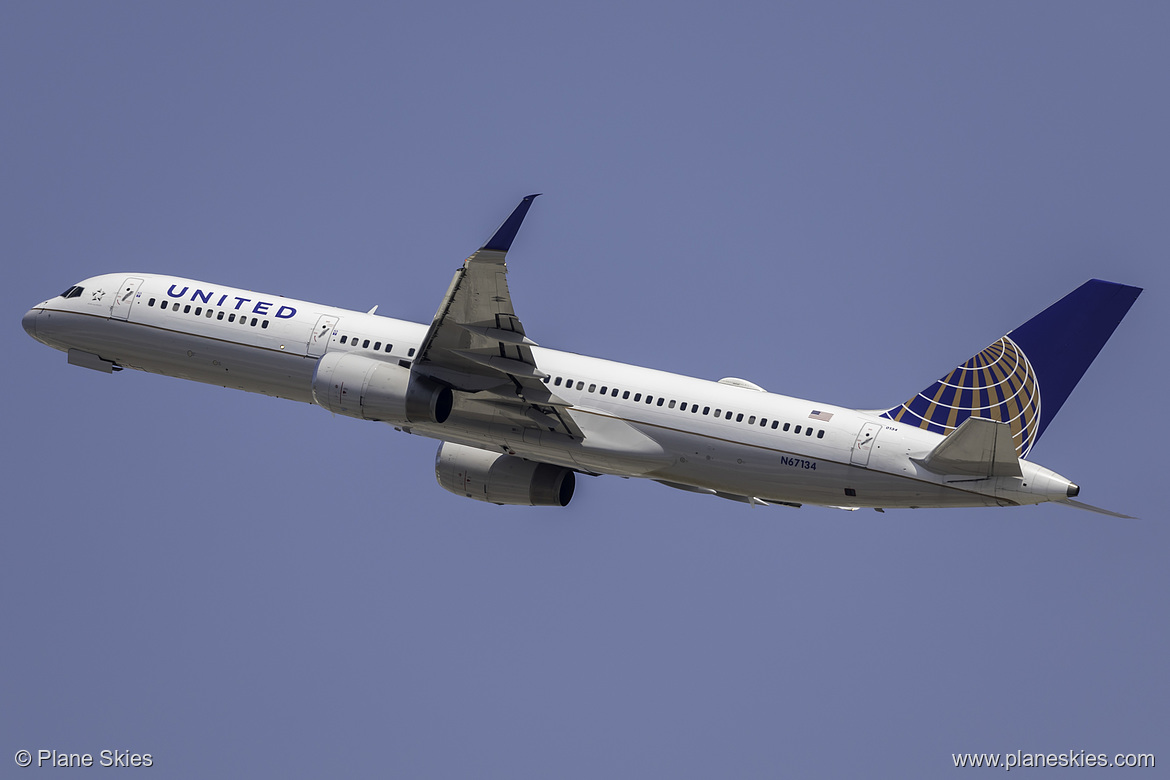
x,y
864,444
124,300
321,335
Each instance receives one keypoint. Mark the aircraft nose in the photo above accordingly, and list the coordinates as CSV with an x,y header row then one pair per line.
x,y
29,322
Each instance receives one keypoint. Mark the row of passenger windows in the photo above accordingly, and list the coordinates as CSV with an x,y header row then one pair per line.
x,y
243,319
365,343
684,406
208,312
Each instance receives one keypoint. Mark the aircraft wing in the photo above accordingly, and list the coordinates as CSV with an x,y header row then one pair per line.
x,y
476,343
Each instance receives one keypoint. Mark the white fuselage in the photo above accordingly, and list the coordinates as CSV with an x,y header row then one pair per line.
x,y
711,437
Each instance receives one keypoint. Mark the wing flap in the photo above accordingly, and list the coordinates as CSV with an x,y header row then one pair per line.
x,y
505,365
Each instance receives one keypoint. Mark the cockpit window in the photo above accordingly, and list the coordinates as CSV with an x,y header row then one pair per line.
x,y
73,292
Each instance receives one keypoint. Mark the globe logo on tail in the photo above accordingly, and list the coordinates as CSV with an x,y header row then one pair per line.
x,y
999,384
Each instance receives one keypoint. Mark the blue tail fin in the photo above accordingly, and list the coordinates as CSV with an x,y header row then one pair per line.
x,y
1025,377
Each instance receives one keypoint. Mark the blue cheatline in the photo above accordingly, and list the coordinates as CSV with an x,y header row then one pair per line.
x,y
1025,377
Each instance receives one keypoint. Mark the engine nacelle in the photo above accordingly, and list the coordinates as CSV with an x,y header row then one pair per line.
x,y
502,479
358,386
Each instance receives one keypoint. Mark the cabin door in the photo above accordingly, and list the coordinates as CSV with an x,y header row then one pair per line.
x,y
864,444
124,300
321,335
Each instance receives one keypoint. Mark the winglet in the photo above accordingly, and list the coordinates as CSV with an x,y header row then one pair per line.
x,y
502,239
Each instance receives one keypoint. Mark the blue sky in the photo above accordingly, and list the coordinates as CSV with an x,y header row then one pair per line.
x,y
836,201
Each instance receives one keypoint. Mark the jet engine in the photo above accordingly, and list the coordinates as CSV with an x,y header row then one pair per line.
x,y
502,479
358,386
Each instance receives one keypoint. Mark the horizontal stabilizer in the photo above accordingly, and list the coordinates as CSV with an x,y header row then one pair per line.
x,y
978,448
1097,509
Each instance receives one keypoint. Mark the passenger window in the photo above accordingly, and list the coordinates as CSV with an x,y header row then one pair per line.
x,y
739,417
625,394
175,307
343,338
614,392
253,322
820,434
775,423
706,409
808,431
637,396
198,311
263,323
763,422
219,316
366,344
728,415
580,385
377,345
718,412
660,400
752,420
797,430
150,303
604,389
694,408
209,313
557,381
681,407
410,352
649,399
187,309
390,347
232,317
592,388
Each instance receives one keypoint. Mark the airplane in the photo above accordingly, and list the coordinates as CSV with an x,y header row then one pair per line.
x,y
517,422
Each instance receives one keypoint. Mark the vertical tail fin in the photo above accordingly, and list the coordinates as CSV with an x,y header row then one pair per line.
x,y
1025,377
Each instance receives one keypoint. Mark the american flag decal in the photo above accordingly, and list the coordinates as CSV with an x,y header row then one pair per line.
x,y
819,415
